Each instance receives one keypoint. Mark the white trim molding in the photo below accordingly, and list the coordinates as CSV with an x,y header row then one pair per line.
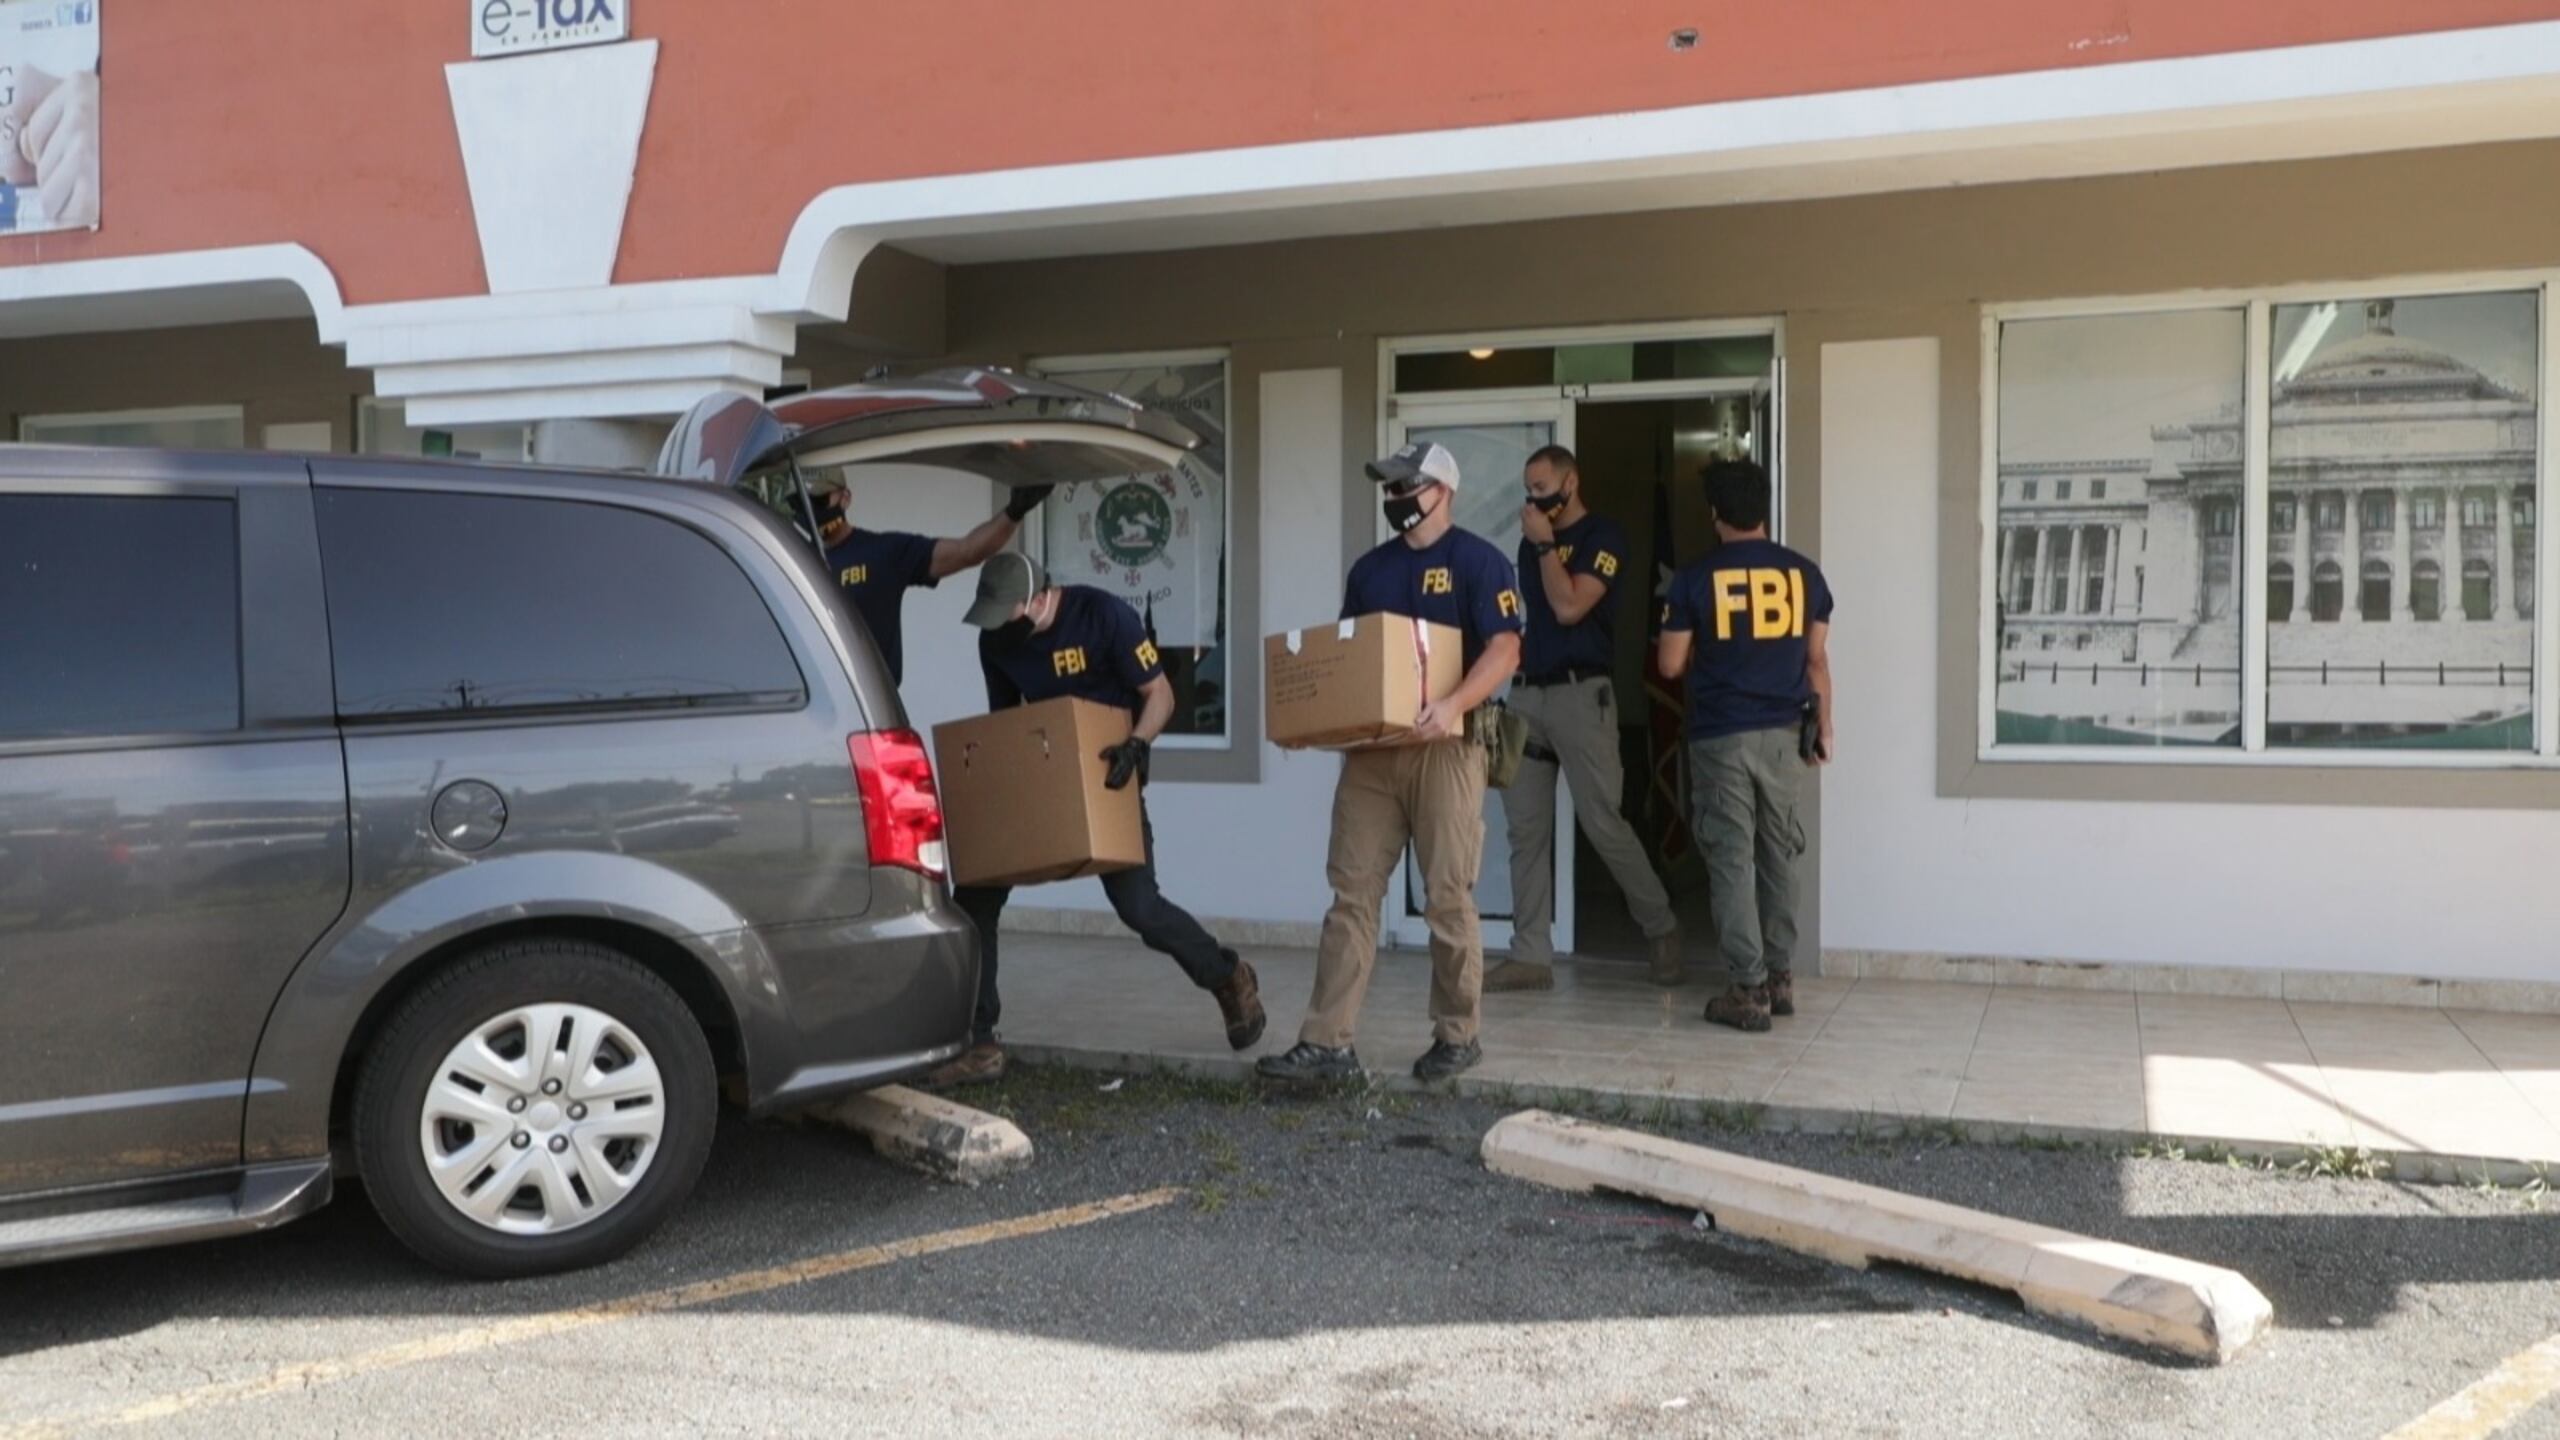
x,y
139,292
604,350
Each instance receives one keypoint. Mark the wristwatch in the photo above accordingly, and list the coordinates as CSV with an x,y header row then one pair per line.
x,y
1542,547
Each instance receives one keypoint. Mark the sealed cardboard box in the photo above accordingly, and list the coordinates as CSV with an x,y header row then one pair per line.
x,y
1358,682
1022,795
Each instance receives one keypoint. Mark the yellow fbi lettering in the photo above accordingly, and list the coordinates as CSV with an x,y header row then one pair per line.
x,y
1508,602
1606,564
1147,656
1435,581
854,575
1069,661
1774,599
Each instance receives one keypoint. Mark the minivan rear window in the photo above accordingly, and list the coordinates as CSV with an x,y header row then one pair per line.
x,y
119,615
443,603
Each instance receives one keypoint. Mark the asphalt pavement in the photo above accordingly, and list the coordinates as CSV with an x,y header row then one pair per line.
x,y
1332,1266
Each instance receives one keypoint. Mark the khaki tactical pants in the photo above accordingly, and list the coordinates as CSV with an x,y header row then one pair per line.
x,y
1742,806
1432,795
1579,722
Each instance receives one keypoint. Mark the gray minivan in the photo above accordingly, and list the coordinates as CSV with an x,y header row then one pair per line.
x,y
464,826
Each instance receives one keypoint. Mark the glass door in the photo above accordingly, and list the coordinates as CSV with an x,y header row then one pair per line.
x,y
1491,441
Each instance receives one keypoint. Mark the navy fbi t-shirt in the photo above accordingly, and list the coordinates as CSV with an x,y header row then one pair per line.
x,y
1460,580
1097,649
1750,604
876,569
1590,546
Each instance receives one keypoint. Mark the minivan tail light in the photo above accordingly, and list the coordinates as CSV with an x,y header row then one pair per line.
x,y
901,810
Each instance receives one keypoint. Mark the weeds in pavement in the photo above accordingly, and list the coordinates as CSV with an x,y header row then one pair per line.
x,y
1221,1151
2530,1193
1209,1199
2340,1162
1937,1134
2046,1143
1733,1117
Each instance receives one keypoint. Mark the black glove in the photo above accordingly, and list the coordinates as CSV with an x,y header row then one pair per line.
x,y
1025,500
1127,758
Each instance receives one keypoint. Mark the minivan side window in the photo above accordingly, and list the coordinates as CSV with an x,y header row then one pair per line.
x,y
442,603
119,615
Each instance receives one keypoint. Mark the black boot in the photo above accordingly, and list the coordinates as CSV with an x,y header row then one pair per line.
x,y
1307,1064
1443,1060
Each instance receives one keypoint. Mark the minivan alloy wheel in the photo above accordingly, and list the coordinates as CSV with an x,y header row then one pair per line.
x,y
542,1118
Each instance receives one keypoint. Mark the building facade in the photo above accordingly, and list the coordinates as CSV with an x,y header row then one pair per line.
x,y
2164,384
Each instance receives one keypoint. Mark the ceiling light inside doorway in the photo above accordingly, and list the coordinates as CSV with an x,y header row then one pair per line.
x,y
1480,354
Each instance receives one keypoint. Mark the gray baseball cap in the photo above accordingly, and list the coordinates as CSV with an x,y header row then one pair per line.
x,y
1416,464
1009,579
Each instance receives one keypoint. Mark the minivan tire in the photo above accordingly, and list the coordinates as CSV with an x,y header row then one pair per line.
x,y
391,1096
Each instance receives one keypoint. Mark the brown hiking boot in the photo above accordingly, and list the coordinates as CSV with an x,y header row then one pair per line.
x,y
1519,975
1780,993
1240,1001
1668,968
980,1064
1740,1009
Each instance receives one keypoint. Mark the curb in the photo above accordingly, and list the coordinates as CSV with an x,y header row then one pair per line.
x,y
2416,1167
940,1137
2202,1312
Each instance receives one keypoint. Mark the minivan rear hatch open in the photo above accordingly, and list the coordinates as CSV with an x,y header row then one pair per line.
x,y
1002,425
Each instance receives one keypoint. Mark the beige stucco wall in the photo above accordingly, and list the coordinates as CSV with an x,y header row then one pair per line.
x,y
1918,264
277,371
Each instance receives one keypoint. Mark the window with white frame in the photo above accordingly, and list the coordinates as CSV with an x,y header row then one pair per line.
x,y
194,427
1158,541
2140,395
2365,463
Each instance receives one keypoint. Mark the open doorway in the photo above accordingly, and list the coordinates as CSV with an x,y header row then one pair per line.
x,y
1644,411
1640,461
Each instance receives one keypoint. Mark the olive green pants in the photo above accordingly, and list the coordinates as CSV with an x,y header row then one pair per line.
x,y
1742,808
1578,722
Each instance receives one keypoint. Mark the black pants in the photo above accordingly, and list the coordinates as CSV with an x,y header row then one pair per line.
x,y
1161,925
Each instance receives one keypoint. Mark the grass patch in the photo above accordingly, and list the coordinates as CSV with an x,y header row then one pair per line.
x,y
1733,1117
2340,1162
2530,1193
1219,1149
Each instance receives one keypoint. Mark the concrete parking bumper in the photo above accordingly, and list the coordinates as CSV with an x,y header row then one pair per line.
x,y
2200,1311
942,1138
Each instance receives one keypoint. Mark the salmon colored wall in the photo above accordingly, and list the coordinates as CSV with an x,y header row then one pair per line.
x,y
261,120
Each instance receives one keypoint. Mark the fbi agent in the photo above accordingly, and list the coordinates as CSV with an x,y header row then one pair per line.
x,y
1040,642
1570,561
876,568
1430,792
1749,627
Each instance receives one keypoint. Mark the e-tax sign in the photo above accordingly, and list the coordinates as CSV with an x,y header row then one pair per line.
x,y
520,27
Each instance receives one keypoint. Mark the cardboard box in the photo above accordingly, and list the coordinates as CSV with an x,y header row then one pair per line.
x,y
1022,796
1357,683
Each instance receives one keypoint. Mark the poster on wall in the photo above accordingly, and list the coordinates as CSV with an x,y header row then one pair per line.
x,y
48,115
1156,541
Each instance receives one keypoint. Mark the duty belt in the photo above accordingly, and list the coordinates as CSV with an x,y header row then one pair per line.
x,y
1569,675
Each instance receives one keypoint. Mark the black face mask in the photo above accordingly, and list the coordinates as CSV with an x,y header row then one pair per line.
x,y
1012,634
1551,504
1404,512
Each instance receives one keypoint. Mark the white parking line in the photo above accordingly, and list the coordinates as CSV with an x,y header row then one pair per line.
x,y
311,1374
2494,1401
